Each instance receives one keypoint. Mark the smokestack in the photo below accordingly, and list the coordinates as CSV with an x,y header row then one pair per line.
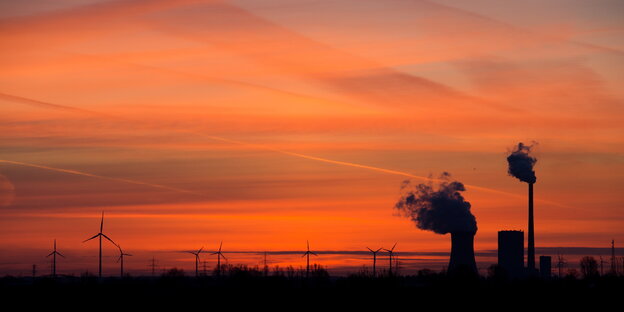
x,y
521,167
531,234
462,253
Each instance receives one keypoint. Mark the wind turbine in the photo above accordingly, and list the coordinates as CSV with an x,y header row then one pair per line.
x,y
100,235
374,260
219,255
196,260
307,254
120,259
390,251
53,254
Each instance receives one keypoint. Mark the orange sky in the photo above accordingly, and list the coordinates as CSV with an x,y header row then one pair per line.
x,y
269,123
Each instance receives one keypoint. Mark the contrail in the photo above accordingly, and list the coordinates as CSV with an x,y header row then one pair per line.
x,y
378,169
263,147
23,100
86,174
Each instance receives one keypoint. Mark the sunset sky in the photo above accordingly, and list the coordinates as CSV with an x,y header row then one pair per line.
x,y
266,123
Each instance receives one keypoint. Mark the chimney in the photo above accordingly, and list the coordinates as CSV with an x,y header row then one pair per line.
x,y
531,238
462,254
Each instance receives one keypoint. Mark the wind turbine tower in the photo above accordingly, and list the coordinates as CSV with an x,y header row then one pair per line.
x,y
121,258
53,254
219,255
307,255
100,235
196,260
374,260
390,253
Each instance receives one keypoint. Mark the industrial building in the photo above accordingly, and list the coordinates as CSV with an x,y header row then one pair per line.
x,y
545,266
511,253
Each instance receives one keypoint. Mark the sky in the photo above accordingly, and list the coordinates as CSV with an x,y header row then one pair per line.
x,y
266,124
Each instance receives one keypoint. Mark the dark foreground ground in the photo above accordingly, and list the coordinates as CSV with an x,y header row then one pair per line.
x,y
280,292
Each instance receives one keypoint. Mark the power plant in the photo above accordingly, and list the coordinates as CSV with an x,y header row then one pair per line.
x,y
462,253
511,253
442,210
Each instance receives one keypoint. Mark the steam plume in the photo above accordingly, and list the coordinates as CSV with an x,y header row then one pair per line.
x,y
521,164
442,210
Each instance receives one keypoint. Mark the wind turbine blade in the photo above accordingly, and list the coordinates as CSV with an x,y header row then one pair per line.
x,y
58,253
102,222
200,250
377,250
109,239
118,259
304,254
220,246
50,254
308,242
370,249
223,256
94,236
313,253
127,255
393,247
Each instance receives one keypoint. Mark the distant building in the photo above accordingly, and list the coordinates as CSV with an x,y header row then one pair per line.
x,y
511,252
545,266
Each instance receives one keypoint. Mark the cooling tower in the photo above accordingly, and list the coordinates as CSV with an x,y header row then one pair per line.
x,y
462,253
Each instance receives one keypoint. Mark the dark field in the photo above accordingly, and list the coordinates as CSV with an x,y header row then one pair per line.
x,y
244,289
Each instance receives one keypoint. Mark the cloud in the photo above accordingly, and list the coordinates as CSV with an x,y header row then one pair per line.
x,y
239,31
7,191
562,86
79,22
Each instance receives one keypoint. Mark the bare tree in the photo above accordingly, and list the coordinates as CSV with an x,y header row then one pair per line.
x,y
589,267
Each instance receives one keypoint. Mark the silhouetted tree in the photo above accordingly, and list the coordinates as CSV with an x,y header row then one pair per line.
x,y
318,272
290,272
589,267
277,271
572,274
174,273
425,273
